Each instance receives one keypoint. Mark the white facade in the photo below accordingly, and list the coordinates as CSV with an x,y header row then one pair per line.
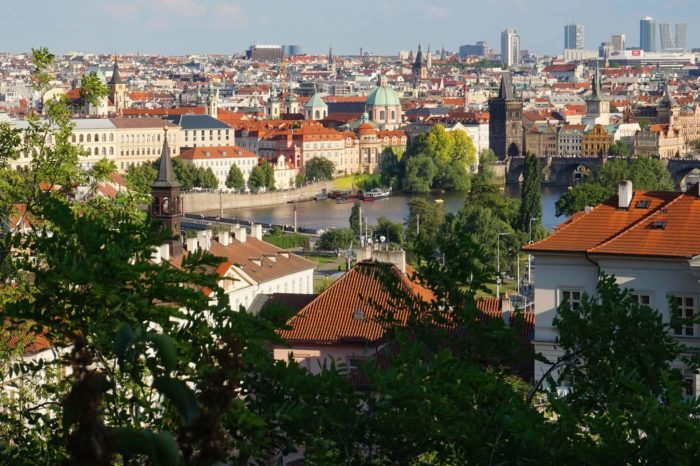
x,y
510,47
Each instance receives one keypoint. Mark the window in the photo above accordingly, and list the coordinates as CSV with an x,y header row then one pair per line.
x,y
573,297
689,384
642,298
89,138
684,310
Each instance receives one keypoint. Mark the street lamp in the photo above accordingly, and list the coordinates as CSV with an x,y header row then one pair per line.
x,y
498,263
529,256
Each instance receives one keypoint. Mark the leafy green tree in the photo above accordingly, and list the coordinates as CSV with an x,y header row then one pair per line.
x,y
256,179
619,148
439,144
422,225
268,174
336,240
463,149
186,174
92,89
420,172
393,231
531,195
622,402
287,240
140,177
581,196
355,219
391,168
299,180
235,179
206,178
650,174
319,169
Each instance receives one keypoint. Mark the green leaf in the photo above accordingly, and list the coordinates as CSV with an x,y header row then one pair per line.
x,y
166,350
132,442
166,451
179,395
125,335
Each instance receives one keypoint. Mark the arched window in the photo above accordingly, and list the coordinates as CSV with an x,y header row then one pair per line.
x,y
104,151
97,151
89,138
111,151
393,115
317,114
104,137
381,115
72,138
97,137
111,137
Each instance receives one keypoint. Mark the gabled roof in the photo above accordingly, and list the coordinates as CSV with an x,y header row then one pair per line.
x,y
607,229
226,152
191,121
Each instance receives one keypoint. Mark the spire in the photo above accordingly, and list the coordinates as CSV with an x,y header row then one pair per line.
x,y
331,59
506,90
166,174
116,78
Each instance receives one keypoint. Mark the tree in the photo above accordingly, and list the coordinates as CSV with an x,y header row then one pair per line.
x,y
452,176
268,174
439,144
336,240
235,179
186,174
319,169
355,218
299,180
531,202
463,149
257,178
619,148
92,89
420,172
206,178
581,196
140,177
622,401
393,231
422,225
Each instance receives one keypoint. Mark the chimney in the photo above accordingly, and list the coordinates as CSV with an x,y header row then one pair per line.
x,y
203,238
225,238
624,194
192,245
398,258
165,252
256,231
239,233
506,308
155,257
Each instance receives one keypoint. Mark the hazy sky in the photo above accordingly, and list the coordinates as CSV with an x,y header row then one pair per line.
x,y
382,26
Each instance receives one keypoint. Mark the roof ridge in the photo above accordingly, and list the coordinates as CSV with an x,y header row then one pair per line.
x,y
641,219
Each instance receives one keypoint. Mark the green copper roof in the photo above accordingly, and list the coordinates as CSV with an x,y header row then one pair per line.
x,y
383,96
315,101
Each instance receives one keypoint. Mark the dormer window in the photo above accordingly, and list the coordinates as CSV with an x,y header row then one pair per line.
x,y
359,314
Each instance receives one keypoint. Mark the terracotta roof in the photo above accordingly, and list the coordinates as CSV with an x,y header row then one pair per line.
x,y
607,229
162,111
141,122
227,152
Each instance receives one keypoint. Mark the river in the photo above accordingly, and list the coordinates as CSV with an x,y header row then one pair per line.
x,y
326,213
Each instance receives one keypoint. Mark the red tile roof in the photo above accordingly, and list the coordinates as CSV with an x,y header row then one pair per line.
x,y
607,229
227,152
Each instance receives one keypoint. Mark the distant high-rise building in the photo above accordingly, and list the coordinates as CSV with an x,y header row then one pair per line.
x,y
510,47
479,49
667,42
681,36
573,36
604,49
265,52
618,42
647,34
290,50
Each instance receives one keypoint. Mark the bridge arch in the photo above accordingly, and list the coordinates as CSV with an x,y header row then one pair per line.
x,y
573,173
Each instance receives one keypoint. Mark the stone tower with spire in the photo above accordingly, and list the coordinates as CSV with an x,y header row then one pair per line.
x,y
331,62
505,121
597,106
429,59
419,68
667,109
117,89
166,206
212,101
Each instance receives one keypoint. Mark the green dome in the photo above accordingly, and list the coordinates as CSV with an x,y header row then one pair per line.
x,y
383,96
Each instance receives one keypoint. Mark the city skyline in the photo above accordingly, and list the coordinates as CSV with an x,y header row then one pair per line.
x,y
218,26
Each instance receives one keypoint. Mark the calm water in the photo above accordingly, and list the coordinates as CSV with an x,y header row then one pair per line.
x,y
327,213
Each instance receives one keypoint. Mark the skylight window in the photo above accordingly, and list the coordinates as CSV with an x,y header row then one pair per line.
x,y
358,315
642,204
658,224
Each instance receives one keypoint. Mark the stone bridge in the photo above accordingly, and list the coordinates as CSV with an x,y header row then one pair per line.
x,y
565,171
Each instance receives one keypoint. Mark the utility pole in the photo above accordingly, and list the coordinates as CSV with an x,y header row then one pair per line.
x,y
295,217
362,242
221,204
417,225
498,264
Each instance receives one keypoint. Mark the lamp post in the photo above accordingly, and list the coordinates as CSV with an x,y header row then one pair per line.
x,y
498,264
529,257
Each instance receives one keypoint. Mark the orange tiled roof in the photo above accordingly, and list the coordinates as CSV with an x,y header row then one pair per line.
x,y
607,229
227,152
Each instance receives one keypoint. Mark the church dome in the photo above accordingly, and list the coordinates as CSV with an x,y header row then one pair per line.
x,y
383,96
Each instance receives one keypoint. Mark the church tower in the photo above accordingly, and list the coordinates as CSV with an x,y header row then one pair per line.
x,y
597,106
273,106
166,206
117,89
419,68
667,110
505,121
331,62
212,102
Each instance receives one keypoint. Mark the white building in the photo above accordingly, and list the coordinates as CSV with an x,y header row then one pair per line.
x,y
510,47
648,241
220,160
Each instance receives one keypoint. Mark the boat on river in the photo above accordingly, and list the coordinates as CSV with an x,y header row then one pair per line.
x,y
376,193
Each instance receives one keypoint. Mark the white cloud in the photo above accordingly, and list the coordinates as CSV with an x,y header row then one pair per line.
x,y
435,11
231,13
181,7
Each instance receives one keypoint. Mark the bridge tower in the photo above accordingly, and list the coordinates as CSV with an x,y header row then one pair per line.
x,y
505,121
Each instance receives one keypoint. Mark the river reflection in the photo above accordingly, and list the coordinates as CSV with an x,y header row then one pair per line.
x,y
327,213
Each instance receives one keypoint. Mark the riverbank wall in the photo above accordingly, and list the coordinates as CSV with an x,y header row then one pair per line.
x,y
210,202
